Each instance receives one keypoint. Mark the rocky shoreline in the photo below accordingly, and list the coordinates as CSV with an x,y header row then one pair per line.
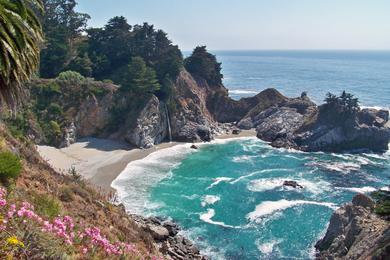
x,y
355,232
166,235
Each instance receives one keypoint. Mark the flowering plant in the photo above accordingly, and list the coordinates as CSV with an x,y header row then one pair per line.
x,y
85,242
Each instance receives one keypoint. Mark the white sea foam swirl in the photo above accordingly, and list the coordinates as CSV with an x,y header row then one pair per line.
x,y
207,217
269,207
218,181
210,200
258,172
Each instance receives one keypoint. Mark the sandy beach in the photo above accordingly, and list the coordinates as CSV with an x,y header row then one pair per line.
x,y
100,161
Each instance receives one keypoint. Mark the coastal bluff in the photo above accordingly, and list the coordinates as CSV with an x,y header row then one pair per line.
x,y
198,110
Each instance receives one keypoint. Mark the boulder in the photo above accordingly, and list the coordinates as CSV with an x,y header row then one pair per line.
x,y
159,233
194,147
236,131
293,184
363,201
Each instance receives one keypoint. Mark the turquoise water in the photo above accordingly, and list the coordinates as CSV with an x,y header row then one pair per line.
x,y
228,196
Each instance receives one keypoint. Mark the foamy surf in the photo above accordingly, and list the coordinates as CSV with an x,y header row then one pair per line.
x,y
315,186
268,247
133,183
218,181
259,172
207,217
209,200
269,207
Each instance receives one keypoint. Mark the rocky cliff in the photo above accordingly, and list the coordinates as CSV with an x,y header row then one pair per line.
x,y
355,232
300,124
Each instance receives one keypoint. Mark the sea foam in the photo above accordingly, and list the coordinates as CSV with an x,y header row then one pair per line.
x,y
210,200
207,217
269,207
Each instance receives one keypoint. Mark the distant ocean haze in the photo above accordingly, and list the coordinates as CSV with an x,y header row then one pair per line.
x,y
366,74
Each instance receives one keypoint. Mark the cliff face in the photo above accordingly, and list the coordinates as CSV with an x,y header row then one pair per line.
x,y
195,111
355,232
300,124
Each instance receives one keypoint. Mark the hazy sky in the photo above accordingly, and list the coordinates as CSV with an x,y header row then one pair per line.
x,y
257,24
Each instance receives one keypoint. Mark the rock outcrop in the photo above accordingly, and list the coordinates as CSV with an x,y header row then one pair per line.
x,y
167,236
298,123
151,125
355,232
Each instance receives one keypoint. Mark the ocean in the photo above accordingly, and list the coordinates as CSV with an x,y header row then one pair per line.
x,y
229,196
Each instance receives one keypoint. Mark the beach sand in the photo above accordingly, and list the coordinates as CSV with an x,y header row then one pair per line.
x,y
100,161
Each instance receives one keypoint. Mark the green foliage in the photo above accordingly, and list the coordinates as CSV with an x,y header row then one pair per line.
x,y
10,166
74,174
139,78
204,65
112,47
21,35
382,199
340,108
82,64
47,205
63,27
71,76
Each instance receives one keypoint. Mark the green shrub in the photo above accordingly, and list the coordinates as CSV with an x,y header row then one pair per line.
x,y
55,110
382,199
10,166
72,76
47,205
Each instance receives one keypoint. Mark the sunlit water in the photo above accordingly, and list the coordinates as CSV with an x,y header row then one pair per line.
x,y
363,73
228,196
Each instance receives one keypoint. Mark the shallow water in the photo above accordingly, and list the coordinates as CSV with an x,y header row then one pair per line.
x,y
228,196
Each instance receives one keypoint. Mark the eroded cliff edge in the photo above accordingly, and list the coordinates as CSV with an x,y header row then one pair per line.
x,y
355,232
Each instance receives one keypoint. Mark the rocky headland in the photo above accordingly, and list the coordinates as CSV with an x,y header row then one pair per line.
x,y
355,232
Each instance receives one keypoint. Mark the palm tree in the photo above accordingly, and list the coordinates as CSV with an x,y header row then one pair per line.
x,y
20,38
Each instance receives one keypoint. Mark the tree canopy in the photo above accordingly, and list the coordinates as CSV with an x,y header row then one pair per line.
x,y
62,26
205,65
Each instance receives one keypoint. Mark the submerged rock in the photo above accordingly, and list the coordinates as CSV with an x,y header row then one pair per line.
x,y
293,184
194,147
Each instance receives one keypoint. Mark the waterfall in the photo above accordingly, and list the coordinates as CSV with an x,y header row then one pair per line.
x,y
169,123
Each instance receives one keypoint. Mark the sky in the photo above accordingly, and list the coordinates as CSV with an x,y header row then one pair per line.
x,y
256,24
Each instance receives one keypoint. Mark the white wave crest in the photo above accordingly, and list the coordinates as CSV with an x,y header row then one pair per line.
x,y
218,181
261,185
243,158
269,207
268,247
207,217
134,182
258,172
210,200
366,189
342,167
